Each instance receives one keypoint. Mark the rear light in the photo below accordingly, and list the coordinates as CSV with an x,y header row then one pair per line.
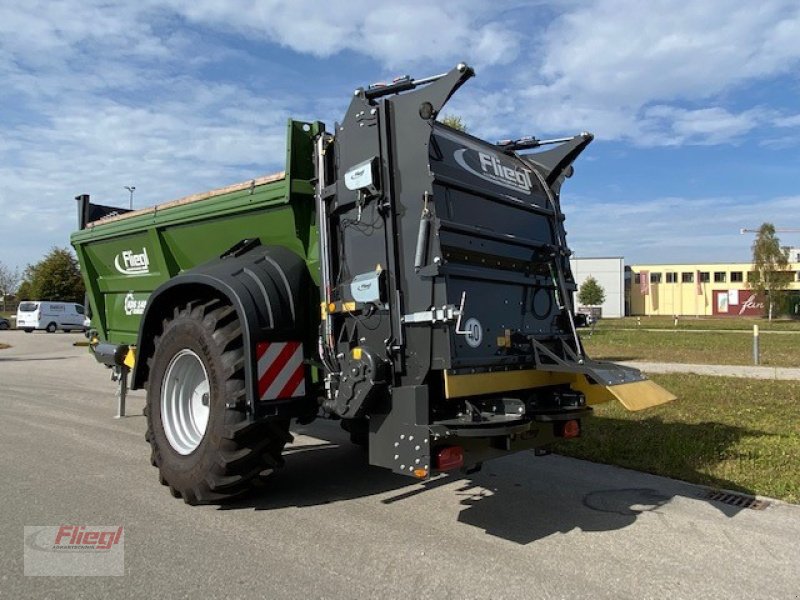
x,y
571,429
449,457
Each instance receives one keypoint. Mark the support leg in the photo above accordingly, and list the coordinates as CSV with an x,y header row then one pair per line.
x,y
121,377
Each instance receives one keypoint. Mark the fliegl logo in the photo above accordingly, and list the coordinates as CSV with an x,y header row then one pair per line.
x,y
129,262
488,166
74,538
70,550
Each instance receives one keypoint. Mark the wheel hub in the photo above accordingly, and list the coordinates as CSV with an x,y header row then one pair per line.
x,y
185,402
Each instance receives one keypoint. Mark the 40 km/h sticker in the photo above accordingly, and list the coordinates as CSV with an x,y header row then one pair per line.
x,y
474,335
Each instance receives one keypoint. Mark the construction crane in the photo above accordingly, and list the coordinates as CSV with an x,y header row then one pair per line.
x,y
744,230
792,252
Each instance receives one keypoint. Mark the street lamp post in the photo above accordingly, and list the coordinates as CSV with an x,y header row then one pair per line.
x,y
131,189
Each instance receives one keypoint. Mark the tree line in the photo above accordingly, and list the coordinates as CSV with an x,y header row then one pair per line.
x,y
55,277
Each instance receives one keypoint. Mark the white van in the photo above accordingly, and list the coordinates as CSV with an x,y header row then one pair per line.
x,y
50,316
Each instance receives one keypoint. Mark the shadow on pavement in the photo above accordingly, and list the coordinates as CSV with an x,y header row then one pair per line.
x,y
330,471
520,498
518,513
684,451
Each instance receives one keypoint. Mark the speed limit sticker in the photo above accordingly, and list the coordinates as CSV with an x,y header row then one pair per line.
x,y
474,335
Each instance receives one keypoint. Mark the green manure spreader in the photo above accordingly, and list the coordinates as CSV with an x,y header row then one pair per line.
x,y
402,276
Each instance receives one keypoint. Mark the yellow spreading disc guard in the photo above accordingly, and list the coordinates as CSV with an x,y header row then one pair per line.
x,y
639,395
636,395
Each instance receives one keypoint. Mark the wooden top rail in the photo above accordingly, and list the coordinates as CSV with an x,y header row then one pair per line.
x,y
236,187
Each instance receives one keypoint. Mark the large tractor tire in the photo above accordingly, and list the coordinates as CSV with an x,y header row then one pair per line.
x,y
205,452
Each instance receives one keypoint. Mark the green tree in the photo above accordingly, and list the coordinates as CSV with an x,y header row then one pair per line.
x,y
591,293
770,274
454,121
9,281
24,291
55,277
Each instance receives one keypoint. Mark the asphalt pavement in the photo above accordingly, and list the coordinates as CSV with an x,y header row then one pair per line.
x,y
329,526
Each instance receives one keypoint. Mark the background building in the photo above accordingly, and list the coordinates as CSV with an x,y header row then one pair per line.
x,y
703,289
610,274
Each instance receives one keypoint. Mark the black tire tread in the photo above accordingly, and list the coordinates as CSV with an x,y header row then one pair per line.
x,y
245,448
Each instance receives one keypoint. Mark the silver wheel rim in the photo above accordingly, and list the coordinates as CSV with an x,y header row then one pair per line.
x,y
185,401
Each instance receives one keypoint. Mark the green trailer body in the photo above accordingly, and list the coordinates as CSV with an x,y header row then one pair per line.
x,y
404,277
123,259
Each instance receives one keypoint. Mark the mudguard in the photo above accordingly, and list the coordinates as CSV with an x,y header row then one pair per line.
x,y
269,287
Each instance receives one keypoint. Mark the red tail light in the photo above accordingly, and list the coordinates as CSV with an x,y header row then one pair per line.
x,y
571,429
449,457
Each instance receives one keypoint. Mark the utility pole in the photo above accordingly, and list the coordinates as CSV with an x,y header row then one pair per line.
x,y
132,188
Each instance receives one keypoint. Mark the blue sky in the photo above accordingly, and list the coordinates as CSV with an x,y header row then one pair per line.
x,y
694,105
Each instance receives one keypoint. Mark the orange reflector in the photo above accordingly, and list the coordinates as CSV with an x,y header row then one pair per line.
x,y
571,429
420,473
449,457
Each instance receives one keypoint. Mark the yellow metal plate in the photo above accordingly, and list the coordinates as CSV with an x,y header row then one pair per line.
x,y
459,386
641,394
637,395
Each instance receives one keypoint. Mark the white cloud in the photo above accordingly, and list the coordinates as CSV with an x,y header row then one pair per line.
x,y
670,229
167,150
631,52
48,35
707,126
397,35
607,62
788,121
98,95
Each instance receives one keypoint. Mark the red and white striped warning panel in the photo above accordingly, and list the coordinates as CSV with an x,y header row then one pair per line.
x,y
281,373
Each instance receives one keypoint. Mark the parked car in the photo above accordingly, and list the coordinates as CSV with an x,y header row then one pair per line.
x,y
4,323
50,316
